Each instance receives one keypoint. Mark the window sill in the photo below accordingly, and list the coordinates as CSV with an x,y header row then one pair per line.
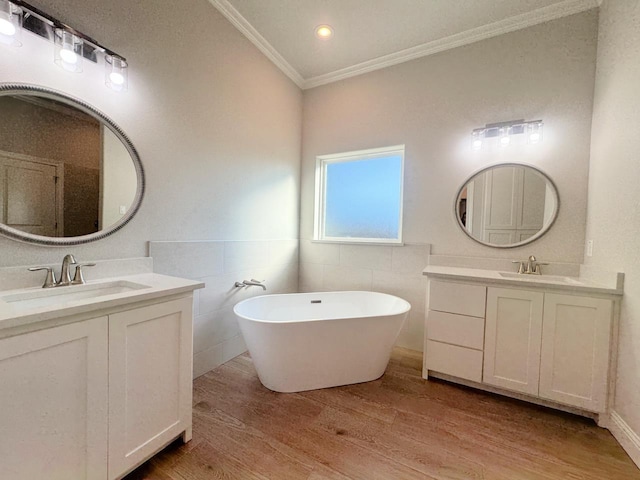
x,y
360,242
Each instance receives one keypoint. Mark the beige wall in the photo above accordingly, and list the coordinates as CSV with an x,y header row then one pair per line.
x,y
432,104
216,124
614,204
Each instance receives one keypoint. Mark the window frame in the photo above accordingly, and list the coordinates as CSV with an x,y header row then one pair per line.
x,y
320,193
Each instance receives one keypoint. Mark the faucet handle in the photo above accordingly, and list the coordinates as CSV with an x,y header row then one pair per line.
x,y
536,268
78,278
50,281
521,265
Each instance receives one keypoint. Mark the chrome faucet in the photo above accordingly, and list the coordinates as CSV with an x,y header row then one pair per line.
x,y
251,283
65,277
529,267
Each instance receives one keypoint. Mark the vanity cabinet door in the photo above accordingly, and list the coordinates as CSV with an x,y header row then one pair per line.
x,y
150,377
513,334
575,350
53,403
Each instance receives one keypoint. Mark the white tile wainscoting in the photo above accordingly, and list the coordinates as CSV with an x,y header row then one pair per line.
x,y
396,270
219,264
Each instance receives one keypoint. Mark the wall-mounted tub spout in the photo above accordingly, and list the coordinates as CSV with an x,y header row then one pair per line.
x,y
251,283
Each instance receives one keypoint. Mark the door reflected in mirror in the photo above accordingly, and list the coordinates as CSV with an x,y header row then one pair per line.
x,y
507,205
63,172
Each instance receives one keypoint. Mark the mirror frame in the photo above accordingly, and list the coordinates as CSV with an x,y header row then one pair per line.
x,y
35,90
508,164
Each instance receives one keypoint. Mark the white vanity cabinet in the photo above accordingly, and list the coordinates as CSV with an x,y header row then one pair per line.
x,y
513,336
150,377
93,398
53,403
548,345
541,343
576,344
455,329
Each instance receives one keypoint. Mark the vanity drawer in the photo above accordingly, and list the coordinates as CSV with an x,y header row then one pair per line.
x,y
459,362
461,330
457,298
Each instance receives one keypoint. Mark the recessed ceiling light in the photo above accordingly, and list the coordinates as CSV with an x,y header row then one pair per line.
x,y
324,31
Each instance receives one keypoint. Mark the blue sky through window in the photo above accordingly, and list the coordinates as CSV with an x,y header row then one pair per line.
x,y
363,198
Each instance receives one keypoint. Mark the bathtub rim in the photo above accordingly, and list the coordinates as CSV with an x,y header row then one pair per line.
x,y
407,307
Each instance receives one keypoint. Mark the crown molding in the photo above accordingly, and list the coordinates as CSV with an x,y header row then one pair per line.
x,y
241,23
511,24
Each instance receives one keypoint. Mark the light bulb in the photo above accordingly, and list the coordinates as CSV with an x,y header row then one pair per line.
x,y
505,139
116,78
68,50
476,144
535,132
324,31
68,56
115,73
10,23
7,28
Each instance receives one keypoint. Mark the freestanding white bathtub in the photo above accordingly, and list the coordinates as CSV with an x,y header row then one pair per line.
x,y
305,341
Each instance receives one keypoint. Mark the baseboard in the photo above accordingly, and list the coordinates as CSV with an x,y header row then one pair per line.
x,y
625,435
507,393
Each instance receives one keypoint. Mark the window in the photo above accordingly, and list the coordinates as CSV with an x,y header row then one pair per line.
x,y
359,196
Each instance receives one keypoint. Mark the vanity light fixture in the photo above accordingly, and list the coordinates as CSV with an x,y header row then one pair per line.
x,y
115,73
324,31
71,47
534,132
505,132
505,138
68,50
477,140
10,23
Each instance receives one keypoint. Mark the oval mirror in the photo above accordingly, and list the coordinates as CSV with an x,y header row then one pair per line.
x,y
68,174
507,205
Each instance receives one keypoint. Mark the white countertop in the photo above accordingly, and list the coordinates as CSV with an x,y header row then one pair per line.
x,y
549,282
155,286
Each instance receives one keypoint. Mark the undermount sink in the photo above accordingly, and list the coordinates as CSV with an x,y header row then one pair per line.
x,y
541,278
63,295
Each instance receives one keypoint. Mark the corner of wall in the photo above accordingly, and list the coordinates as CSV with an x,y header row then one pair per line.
x,y
625,435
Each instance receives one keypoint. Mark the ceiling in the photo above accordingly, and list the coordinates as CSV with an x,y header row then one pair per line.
x,y
373,34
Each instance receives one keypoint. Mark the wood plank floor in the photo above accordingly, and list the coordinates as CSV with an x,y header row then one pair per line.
x,y
397,427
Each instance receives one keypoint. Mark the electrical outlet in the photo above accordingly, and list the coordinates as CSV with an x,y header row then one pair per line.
x,y
589,248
